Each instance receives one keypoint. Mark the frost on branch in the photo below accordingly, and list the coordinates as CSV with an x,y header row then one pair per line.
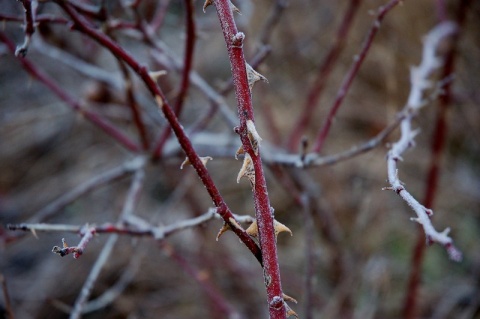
x,y
420,82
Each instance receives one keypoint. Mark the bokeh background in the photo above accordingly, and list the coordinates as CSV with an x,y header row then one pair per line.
x,y
361,237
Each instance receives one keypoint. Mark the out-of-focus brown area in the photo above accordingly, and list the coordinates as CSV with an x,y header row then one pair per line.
x,y
362,237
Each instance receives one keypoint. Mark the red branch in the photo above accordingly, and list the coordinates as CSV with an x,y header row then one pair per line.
x,y
264,215
187,66
223,210
323,73
348,79
70,100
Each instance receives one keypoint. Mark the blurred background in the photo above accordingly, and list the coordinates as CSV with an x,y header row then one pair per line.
x,y
350,255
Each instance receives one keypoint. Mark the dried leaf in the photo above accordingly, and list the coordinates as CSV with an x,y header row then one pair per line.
x,y
247,170
203,159
253,136
253,76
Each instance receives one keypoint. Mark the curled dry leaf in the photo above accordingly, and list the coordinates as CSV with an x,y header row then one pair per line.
x,y
252,230
247,170
203,159
253,136
253,76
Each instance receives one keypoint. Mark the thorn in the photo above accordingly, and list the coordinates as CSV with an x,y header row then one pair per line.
x,y
204,161
156,74
253,76
253,136
223,230
288,298
252,230
234,8
206,4
247,170
239,151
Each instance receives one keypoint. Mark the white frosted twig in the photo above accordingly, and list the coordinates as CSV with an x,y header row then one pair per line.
x,y
419,83
92,277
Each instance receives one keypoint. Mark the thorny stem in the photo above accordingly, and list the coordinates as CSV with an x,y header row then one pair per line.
x,y
350,76
83,26
438,143
264,214
71,101
323,73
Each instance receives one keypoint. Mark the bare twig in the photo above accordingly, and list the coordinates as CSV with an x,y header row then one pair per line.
x,y
410,305
323,73
70,100
350,76
234,41
132,226
93,276
420,82
97,181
